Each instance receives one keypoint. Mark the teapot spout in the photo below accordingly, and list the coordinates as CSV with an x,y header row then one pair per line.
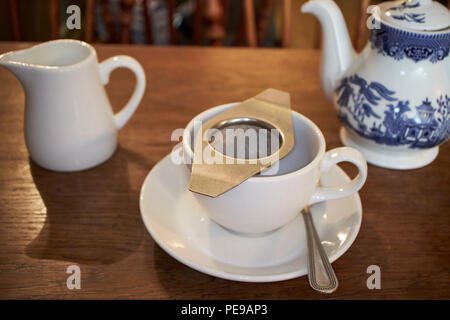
x,y
338,53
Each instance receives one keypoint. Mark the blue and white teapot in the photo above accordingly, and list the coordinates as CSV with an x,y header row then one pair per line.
x,y
393,99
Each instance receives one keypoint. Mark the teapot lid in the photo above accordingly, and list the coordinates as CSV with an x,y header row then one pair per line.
x,y
420,15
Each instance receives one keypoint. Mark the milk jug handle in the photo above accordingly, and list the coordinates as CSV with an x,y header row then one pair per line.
x,y
107,66
332,158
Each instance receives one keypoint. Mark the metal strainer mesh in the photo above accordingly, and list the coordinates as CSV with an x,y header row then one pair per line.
x,y
245,138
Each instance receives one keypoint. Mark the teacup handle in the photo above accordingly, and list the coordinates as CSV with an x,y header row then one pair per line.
x,y
332,158
107,66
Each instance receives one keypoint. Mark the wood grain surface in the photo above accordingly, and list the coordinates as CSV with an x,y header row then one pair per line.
x,y
49,220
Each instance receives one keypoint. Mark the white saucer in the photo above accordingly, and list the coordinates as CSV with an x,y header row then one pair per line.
x,y
181,227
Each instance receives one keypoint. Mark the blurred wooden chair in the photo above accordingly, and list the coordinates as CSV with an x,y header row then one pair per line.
x,y
209,20
255,28
125,19
53,7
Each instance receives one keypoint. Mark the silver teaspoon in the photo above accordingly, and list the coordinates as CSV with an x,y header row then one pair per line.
x,y
320,272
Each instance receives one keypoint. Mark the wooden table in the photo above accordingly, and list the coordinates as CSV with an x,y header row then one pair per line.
x,y
49,220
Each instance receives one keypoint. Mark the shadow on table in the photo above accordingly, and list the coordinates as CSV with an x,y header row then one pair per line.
x,y
182,282
178,280
92,216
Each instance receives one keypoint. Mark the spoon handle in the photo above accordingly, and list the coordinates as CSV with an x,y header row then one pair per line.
x,y
320,272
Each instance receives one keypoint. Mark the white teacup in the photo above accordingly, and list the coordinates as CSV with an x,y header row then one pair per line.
x,y
266,202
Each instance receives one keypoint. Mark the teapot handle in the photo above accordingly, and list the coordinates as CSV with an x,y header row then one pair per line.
x,y
107,66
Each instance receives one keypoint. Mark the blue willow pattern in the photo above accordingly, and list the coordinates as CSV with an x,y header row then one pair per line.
x,y
400,44
422,126
410,17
